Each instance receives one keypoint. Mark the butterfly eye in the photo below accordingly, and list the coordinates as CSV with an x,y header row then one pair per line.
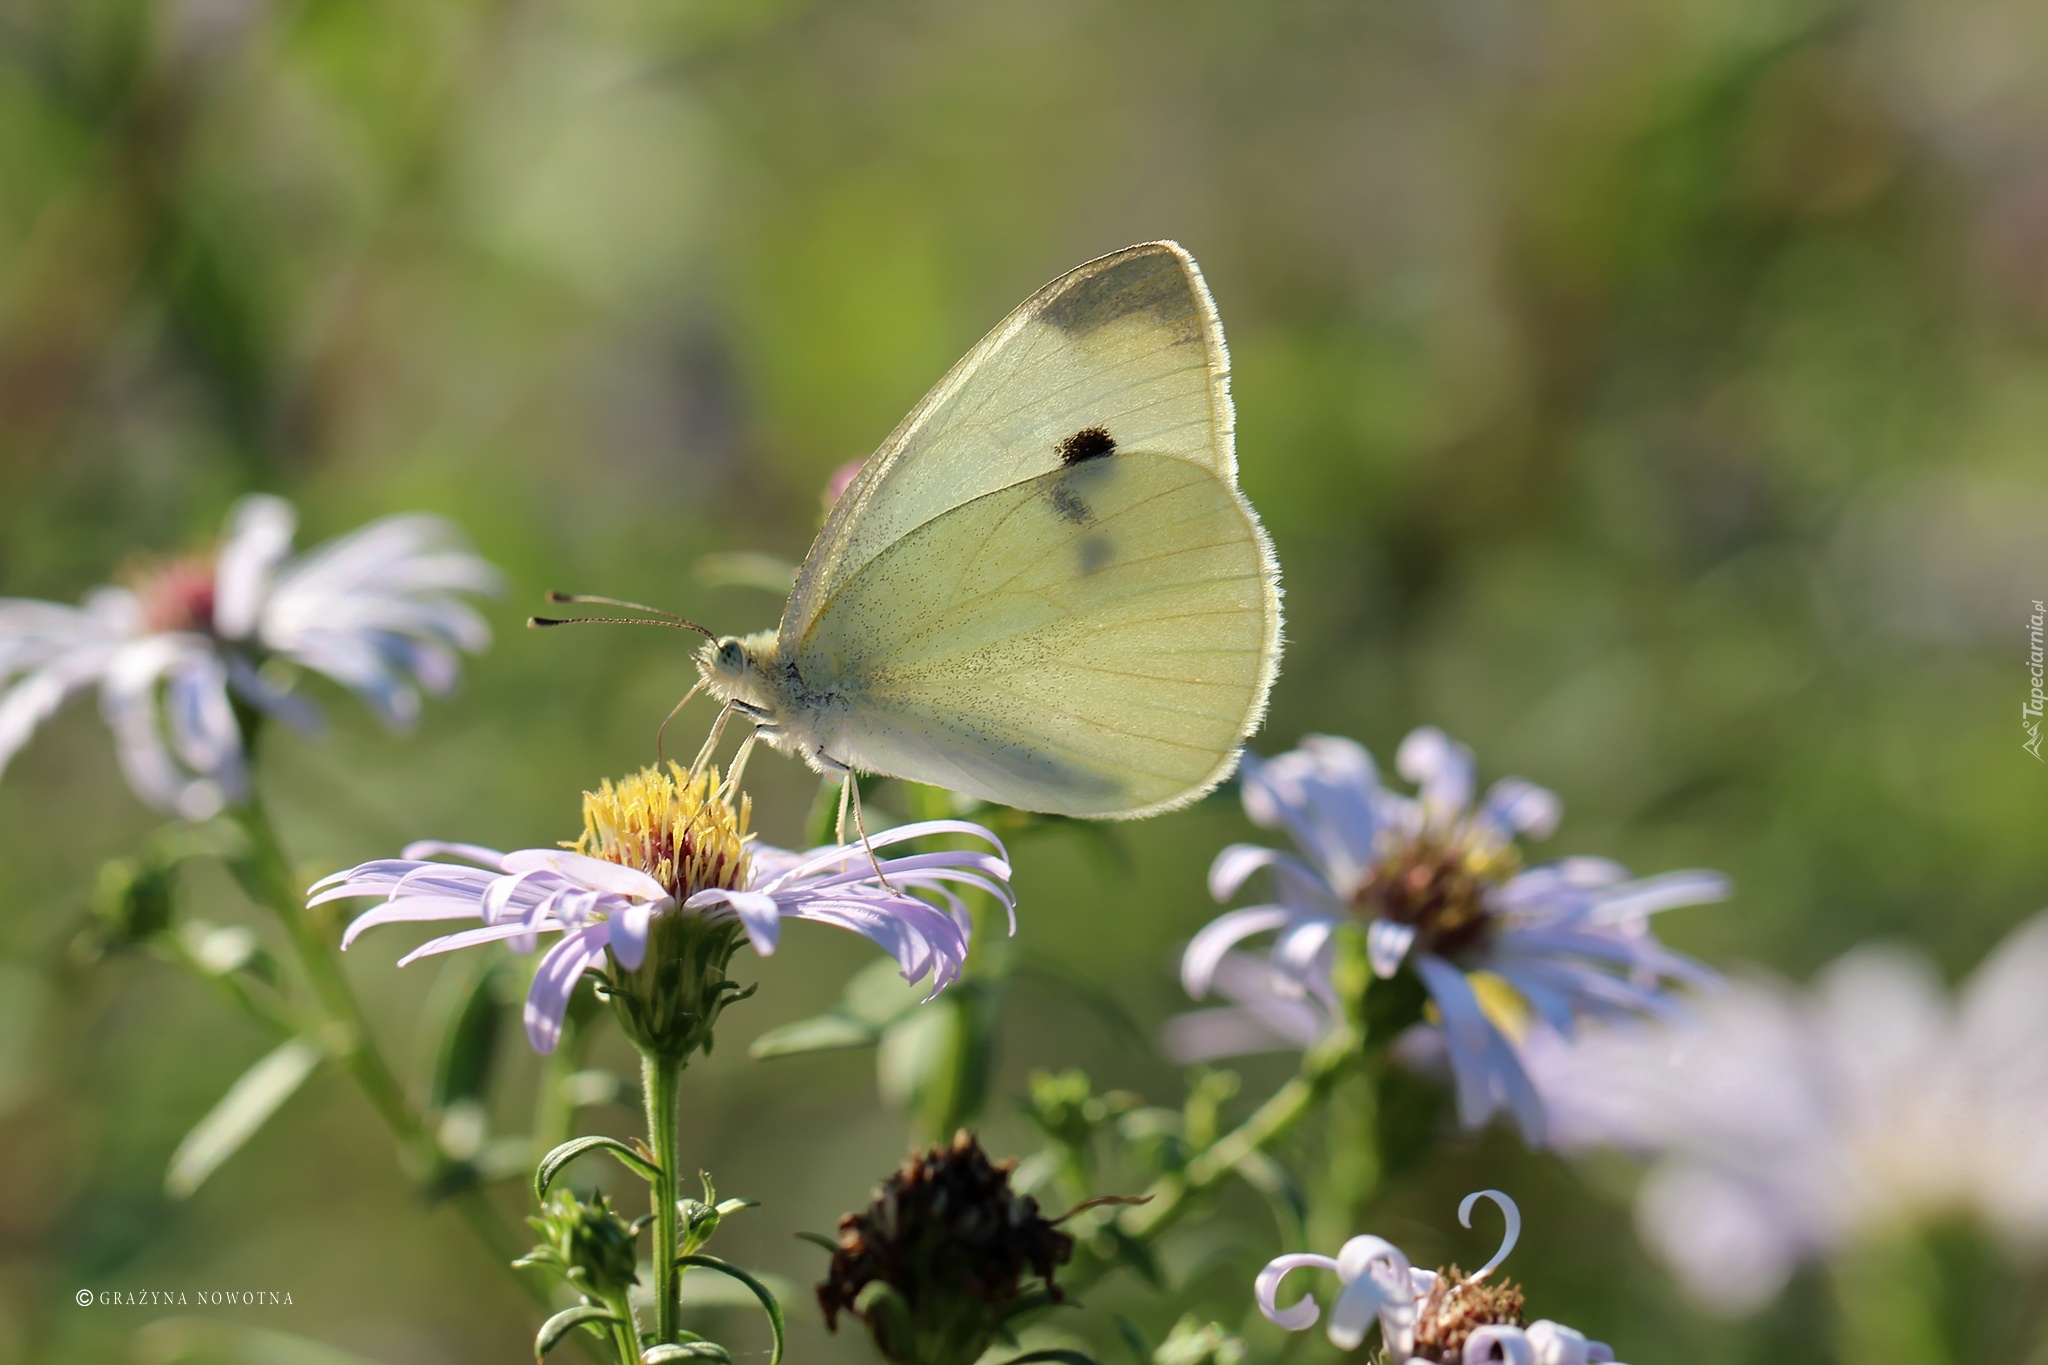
x,y
731,654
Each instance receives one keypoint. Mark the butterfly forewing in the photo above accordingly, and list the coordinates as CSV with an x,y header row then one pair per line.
x,y
1045,589
1130,336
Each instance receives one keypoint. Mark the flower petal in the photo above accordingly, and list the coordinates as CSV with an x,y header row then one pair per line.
x,y
1387,945
1219,936
259,536
554,981
1296,1316
595,873
1553,1343
1498,1342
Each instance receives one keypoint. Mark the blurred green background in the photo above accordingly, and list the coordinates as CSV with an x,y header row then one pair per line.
x,y
1650,394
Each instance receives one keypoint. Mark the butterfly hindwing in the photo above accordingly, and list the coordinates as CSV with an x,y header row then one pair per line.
x,y
1096,640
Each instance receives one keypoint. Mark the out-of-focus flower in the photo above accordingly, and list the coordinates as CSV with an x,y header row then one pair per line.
x,y
660,890
841,480
1788,1125
1435,1315
1438,888
379,610
941,1258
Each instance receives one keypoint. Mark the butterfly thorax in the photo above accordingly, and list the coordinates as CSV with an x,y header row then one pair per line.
x,y
748,674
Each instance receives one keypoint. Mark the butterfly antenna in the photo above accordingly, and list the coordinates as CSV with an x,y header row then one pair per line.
x,y
662,729
662,618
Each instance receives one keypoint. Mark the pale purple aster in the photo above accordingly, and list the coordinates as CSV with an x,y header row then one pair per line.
x,y
1435,882
1379,1287
1787,1125
379,610
604,910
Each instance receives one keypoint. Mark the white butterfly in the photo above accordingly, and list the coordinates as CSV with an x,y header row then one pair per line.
x,y
1045,589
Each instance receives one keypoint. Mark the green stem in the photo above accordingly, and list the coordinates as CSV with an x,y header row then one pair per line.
x,y
625,1334
1321,1068
265,873
661,1079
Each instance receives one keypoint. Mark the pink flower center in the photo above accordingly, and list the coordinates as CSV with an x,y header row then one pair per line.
x,y
177,595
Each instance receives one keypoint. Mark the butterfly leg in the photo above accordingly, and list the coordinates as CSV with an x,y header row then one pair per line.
x,y
849,800
710,743
734,769
671,716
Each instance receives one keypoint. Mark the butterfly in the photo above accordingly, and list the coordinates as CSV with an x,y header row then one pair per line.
x,y
1045,589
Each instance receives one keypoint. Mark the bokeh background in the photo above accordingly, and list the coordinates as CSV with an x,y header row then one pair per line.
x,y
1653,395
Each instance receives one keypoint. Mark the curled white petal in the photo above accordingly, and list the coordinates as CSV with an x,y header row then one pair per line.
x,y
1295,1317
1498,1342
1556,1344
1512,1234
1378,1285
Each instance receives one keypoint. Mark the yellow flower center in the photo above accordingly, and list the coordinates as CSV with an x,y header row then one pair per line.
x,y
679,830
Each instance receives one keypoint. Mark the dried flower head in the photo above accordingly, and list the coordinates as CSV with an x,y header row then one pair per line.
x,y
941,1257
1455,1307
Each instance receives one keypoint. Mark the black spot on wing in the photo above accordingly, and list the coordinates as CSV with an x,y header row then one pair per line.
x,y
1096,552
1145,282
1089,443
1068,487
1069,504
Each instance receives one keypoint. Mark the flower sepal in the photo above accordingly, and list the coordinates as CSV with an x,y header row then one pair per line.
x,y
698,1219
669,1005
588,1245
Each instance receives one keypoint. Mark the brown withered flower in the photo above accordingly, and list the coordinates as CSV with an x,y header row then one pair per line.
x,y
941,1257
1456,1307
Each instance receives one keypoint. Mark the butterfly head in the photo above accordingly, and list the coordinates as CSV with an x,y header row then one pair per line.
x,y
735,667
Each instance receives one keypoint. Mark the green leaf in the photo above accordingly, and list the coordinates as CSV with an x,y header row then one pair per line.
x,y
198,1341
551,1165
568,1320
820,1239
467,1015
248,1104
1283,1196
820,1033
761,1292
821,825
686,1350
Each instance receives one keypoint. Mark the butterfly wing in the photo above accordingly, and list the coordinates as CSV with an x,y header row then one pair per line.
x,y
1132,335
1094,641
1087,629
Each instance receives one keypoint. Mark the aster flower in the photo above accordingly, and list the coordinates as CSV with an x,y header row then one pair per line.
x,y
1441,1316
379,610
940,1259
1437,886
660,890
1789,1125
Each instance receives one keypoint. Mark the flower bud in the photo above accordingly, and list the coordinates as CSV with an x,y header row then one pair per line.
x,y
586,1244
